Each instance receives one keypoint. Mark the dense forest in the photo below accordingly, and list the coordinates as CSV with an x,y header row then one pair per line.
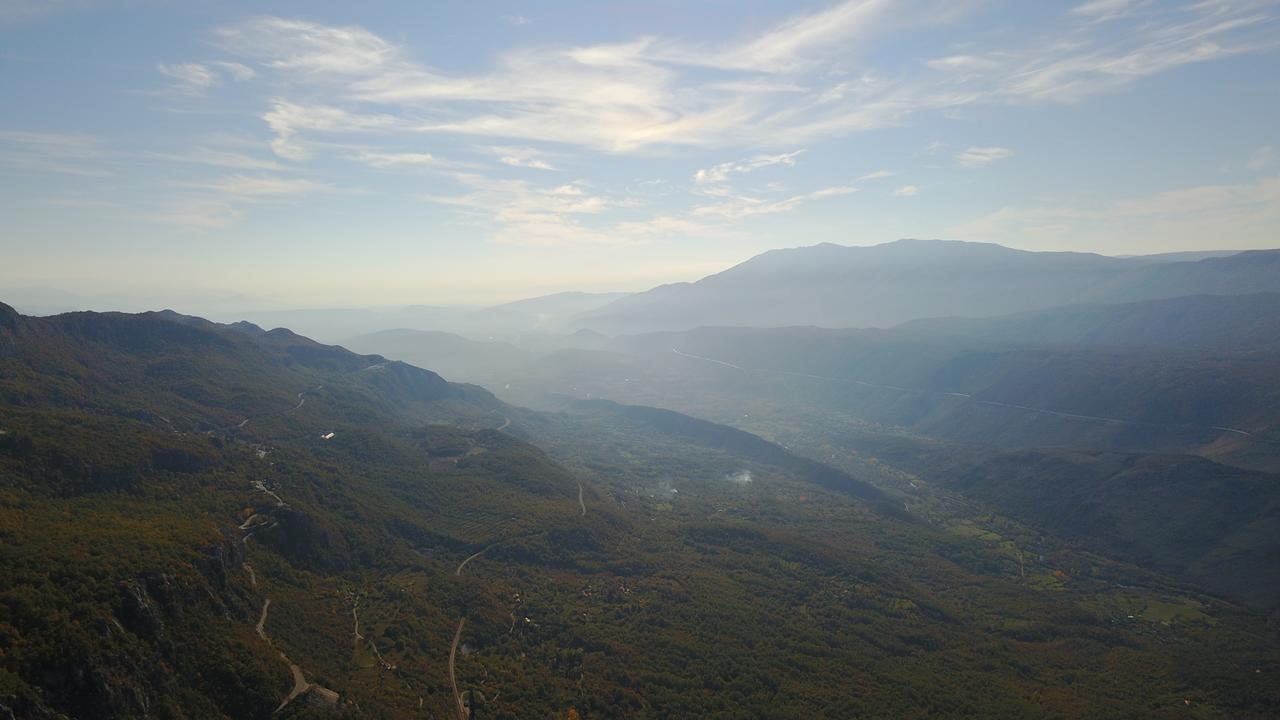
x,y
199,520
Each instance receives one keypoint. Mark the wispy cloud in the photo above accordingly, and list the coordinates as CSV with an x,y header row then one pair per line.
x,y
20,12
1103,10
60,153
218,158
522,157
60,143
307,47
739,207
524,212
287,119
222,201
906,191
191,78
520,212
802,80
377,159
962,63
720,173
267,186
1261,159
77,203
1248,213
194,214
982,156
197,78
800,42
238,71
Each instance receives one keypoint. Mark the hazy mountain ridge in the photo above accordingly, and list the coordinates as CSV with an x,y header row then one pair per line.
x,y
1189,374
1168,377
1223,323
544,314
884,285
1140,398
193,364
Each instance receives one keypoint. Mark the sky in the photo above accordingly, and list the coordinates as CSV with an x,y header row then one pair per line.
x,y
324,154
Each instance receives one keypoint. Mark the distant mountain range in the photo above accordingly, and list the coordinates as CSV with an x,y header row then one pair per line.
x,y
1152,376
1219,322
1209,388
548,314
1080,418
824,285
884,285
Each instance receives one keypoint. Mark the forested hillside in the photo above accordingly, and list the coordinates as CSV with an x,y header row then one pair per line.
x,y
214,521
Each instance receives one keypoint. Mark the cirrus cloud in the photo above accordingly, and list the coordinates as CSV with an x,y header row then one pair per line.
x,y
982,156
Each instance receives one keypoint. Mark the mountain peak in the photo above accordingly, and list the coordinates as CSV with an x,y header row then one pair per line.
x,y
9,318
839,286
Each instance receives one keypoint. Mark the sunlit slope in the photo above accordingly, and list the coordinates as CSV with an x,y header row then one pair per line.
x,y
210,521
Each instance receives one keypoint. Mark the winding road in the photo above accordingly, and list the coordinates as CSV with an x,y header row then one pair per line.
x,y
462,620
302,400
470,557
457,636
453,678
355,617
357,637
300,684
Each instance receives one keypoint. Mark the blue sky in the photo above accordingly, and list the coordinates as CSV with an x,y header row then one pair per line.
x,y
315,154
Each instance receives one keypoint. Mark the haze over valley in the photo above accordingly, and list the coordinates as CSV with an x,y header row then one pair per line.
x,y
851,359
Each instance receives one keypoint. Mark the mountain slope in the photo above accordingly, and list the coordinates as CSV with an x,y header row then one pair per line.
x,y
1211,524
1219,323
1199,398
139,455
216,521
883,285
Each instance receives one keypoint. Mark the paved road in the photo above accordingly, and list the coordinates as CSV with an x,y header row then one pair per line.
x,y
1237,431
302,400
471,557
457,636
300,684
710,360
453,678
462,620
355,617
